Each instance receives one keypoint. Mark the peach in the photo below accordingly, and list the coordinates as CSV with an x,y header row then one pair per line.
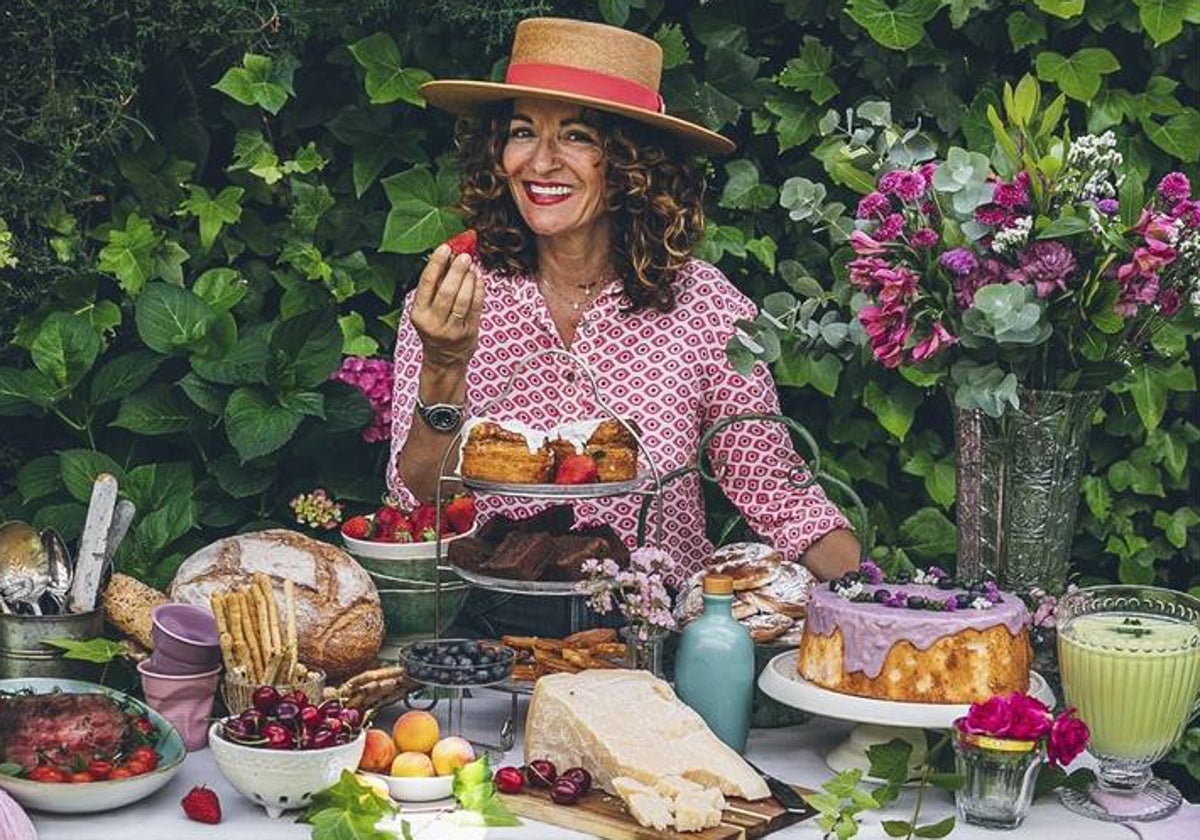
x,y
415,732
379,752
412,764
451,753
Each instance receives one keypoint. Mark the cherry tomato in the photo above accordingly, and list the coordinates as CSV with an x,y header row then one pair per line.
x,y
44,773
146,755
82,777
143,725
135,767
119,773
100,769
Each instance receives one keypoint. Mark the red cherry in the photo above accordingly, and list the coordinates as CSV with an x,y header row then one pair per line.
x,y
581,777
509,780
264,699
540,773
565,792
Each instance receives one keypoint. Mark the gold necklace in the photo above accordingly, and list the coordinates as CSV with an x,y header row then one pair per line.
x,y
575,305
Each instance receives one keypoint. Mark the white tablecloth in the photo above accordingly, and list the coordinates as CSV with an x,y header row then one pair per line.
x,y
795,754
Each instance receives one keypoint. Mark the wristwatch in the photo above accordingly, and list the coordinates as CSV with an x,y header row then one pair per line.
x,y
441,417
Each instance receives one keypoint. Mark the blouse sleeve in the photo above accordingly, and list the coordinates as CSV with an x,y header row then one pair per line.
x,y
406,369
755,458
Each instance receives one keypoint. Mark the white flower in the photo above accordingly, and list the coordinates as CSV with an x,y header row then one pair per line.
x,y
850,592
981,603
1014,236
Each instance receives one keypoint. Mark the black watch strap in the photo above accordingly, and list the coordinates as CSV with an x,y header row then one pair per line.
x,y
441,417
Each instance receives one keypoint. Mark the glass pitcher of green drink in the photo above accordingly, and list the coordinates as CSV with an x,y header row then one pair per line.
x,y
1130,663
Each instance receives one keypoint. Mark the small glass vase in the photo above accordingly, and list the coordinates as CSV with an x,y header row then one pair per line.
x,y
644,654
998,778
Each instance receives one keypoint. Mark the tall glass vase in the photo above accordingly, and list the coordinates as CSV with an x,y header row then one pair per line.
x,y
1018,487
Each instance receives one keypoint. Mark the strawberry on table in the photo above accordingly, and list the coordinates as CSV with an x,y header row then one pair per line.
x,y
466,242
201,804
577,469
460,514
357,527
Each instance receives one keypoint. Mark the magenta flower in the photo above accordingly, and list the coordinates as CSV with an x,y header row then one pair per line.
x,y
1030,717
1174,187
873,205
890,228
986,272
992,717
929,346
924,238
1013,195
1047,264
1068,737
898,285
887,330
373,377
1169,302
864,272
864,245
992,215
910,186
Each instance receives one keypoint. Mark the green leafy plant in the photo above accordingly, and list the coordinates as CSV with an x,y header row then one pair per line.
x,y
476,795
349,810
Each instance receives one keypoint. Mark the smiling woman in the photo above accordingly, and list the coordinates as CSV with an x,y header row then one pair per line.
x,y
588,206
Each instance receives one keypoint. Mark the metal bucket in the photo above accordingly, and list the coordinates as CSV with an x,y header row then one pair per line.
x,y
24,654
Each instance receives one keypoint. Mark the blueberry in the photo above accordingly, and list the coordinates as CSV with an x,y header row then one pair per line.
x,y
447,661
916,602
465,661
962,600
497,673
487,657
835,584
852,577
946,583
881,595
481,676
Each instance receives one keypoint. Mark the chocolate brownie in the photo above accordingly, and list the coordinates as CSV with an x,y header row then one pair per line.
x,y
521,556
469,553
569,552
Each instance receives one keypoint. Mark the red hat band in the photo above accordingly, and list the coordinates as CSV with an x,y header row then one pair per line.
x,y
590,83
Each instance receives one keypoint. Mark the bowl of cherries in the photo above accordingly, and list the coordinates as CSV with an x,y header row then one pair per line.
x,y
566,788
283,749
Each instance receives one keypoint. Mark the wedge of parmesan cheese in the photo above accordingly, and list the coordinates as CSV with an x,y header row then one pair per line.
x,y
673,787
629,723
694,811
644,804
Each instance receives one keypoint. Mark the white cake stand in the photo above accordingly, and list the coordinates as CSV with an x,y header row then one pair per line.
x,y
878,721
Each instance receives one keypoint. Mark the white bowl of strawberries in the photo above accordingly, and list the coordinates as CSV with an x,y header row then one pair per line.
x,y
393,533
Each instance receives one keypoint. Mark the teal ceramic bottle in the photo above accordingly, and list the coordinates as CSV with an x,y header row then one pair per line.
x,y
714,667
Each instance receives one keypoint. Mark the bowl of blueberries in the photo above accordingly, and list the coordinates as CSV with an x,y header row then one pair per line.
x,y
455,662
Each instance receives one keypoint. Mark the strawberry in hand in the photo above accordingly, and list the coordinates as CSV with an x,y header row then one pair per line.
x,y
459,514
466,242
577,469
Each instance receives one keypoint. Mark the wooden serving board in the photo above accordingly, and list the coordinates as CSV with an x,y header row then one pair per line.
x,y
605,816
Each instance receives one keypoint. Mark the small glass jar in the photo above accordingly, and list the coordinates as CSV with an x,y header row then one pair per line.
x,y
644,654
998,778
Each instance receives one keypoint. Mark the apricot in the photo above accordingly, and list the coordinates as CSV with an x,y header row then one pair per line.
x,y
451,753
379,752
412,764
415,731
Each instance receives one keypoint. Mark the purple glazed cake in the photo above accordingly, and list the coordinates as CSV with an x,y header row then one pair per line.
x,y
923,638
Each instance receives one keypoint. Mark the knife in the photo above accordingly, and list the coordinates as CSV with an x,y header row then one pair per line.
x,y
784,793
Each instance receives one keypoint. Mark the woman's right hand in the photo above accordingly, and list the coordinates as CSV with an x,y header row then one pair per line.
x,y
446,308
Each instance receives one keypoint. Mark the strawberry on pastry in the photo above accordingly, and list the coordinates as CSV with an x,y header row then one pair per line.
x,y
577,469
466,242
201,804
459,514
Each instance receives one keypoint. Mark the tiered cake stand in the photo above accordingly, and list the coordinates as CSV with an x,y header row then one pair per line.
x,y
877,721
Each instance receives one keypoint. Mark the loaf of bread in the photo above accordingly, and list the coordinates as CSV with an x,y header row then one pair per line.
x,y
338,617
127,606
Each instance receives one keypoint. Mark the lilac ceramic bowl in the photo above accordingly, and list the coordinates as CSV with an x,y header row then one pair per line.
x,y
185,639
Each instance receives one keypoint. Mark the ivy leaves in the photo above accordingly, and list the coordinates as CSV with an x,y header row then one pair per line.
x,y
898,28
260,81
387,81
420,217
1079,75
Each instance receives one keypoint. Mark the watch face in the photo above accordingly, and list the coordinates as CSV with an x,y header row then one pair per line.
x,y
444,418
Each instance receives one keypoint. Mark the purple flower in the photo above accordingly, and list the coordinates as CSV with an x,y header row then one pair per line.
x,y
873,205
924,238
992,215
1108,206
887,330
910,186
871,572
928,347
958,261
1174,187
1047,264
1169,301
951,604
890,228
987,272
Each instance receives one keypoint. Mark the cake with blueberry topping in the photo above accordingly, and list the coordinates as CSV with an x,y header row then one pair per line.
x,y
921,638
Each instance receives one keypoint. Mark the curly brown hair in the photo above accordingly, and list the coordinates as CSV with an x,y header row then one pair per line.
x,y
653,190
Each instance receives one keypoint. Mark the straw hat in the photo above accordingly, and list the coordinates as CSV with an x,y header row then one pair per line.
x,y
602,67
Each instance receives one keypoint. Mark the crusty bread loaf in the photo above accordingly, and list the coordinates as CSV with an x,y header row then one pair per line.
x,y
338,617
127,606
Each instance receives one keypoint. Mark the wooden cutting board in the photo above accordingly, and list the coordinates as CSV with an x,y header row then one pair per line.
x,y
605,816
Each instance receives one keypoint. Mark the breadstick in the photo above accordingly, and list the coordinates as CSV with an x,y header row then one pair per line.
x,y
226,640
289,598
241,651
271,674
217,602
264,622
268,591
255,663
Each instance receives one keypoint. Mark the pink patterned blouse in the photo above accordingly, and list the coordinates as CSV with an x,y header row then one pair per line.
x,y
666,371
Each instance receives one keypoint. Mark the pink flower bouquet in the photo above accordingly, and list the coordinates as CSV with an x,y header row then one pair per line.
x,y
1019,717
1043,266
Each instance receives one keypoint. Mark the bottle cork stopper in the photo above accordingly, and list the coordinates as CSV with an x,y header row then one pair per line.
x,y
718,585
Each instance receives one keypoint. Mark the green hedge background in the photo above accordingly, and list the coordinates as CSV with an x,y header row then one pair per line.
x,y
206,204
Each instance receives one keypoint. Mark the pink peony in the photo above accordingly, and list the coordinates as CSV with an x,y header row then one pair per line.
x,y
1030,717
928,347
1068,736
992,717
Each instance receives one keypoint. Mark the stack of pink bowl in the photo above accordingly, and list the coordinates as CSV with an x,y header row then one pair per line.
x,y
180,677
